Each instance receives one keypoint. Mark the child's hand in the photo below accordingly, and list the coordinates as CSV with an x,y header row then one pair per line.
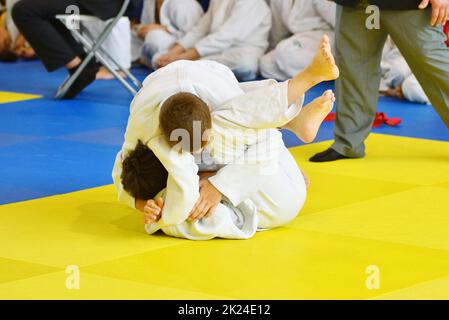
x,y
153,210
165,60
209,199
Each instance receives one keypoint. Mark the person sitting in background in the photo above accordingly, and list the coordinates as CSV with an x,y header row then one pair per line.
x,y
12,44
298,26
53,42
232,32
397,78
162,23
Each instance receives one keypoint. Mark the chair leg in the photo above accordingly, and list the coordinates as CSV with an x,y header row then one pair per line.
x,y
87,43
94,49
68,82
107,56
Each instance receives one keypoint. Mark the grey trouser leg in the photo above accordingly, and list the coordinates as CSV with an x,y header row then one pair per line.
x,y
425,51
358,54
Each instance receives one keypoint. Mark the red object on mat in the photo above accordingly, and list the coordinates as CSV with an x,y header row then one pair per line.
x,y
446,31
380,119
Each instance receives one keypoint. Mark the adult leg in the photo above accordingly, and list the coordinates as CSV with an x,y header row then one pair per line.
x,y
51,40
424,49
358,54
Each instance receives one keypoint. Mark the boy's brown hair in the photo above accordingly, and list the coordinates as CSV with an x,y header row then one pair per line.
x,y
187,112
143,175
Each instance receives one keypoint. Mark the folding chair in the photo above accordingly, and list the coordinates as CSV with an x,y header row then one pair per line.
x,y
94,49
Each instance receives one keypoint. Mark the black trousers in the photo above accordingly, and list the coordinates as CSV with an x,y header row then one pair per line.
x,y
51,40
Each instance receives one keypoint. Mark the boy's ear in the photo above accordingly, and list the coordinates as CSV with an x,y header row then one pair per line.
x,y
210,108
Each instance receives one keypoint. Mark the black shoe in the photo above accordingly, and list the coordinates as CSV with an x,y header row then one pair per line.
x,y
86,77
328,155
8,56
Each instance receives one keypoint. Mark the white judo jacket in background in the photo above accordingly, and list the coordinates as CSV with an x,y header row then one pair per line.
x,y
228,24
179,16
300,16
298,26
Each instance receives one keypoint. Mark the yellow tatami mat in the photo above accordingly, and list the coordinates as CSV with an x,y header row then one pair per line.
x,y
376,228
7,97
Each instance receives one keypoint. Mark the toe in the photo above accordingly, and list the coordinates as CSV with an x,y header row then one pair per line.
x,y
328,93
325,38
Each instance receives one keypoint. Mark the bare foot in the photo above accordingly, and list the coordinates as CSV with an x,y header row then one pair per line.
x,y
395,93
323,66
104,74
309,120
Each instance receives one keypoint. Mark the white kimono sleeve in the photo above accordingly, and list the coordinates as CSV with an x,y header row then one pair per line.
x,y
198,32
239,22
182,185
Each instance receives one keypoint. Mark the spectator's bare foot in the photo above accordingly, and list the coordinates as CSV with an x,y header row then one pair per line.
x,y
323,66
309,120
104,74
395,93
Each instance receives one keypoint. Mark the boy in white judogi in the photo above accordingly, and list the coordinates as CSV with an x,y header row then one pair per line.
x,y
182,184
298,26
232,32
162,23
